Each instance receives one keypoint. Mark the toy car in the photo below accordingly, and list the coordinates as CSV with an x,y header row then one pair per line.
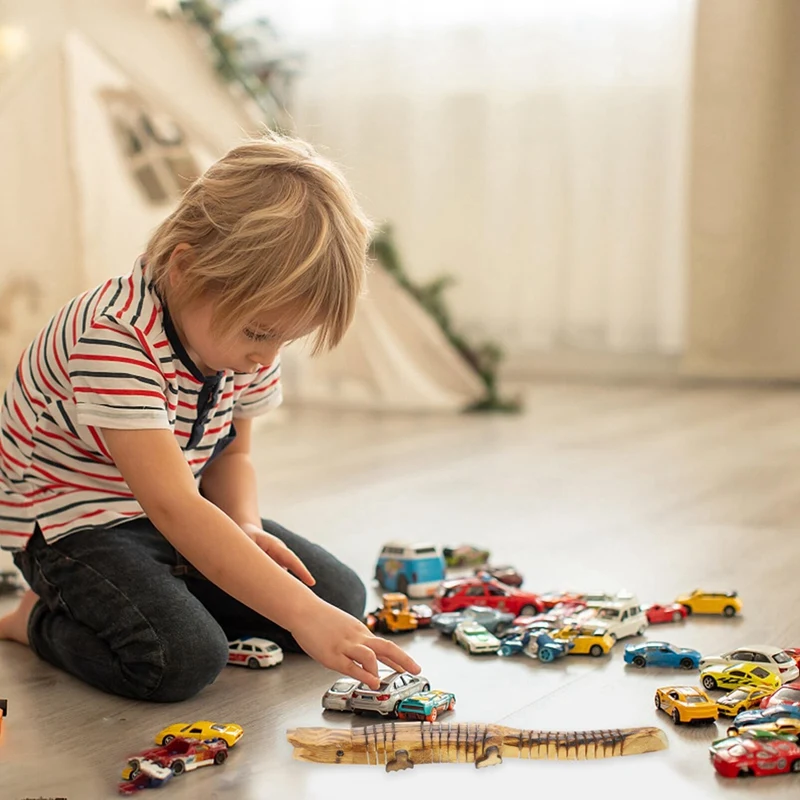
x,y
661,654
767,656
423,613
721,676
504,574
475,639
394,617
788,727
485,591
657,614
229,732
740,700
699,602
550,599
621,619
604,598
415,570
394,687
496,622
426,705
787,695
745,756
149,775
254,653
181,755
547,649
686,704
555,618
465,556
760,716
586,639
793,653
338,697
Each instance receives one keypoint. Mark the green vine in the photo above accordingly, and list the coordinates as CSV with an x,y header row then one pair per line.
x,y
484,358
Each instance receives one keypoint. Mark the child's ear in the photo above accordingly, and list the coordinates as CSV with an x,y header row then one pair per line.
x,y
179,259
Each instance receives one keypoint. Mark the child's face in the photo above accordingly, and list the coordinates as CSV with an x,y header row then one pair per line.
x,y
254,344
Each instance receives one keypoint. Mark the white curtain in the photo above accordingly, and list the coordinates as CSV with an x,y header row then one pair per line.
x,y
535,150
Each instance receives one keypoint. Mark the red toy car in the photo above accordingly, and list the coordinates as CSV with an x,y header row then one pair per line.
x,y
656,614
794,652
423,613
504,574
484,591
180,755
743,756
787,695
551,599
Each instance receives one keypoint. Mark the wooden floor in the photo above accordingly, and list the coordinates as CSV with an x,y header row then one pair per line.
x,y
655,490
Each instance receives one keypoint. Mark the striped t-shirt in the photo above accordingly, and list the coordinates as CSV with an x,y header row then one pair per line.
x,y
110,358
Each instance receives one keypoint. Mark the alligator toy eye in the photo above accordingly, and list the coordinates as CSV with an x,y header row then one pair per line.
x,y
339,753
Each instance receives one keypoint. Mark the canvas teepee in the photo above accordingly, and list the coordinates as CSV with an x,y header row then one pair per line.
x,y
106,111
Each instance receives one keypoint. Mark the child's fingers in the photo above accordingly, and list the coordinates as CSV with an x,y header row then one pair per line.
x,y
351,669
401,661
362,654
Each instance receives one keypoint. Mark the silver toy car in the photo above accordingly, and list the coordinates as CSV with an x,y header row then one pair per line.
x,y
338,697
395,686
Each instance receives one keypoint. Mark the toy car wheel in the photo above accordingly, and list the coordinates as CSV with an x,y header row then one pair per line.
x,y
133,765
221,757
167,739
729,611
432,716
641,630
505,650
687,663
677,616
688,610
527,610
178,767
452,704
745,773
676,717
252,663
595,650
658,702
426,687
640,661
546,655
795,765
709,682
732,731
357,711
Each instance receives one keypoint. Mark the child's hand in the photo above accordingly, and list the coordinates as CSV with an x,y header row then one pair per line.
x,y
342,643
279,553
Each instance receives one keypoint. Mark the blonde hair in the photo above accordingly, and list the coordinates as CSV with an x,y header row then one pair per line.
x,y
271,222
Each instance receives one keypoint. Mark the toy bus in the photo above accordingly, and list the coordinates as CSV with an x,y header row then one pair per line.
x,y
415,570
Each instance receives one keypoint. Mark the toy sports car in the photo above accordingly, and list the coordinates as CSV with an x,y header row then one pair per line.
x,y
475,639
229,732
496,622
760,716
719,676
484,591
426,705
699,602
338,697
788,727
586,639
180,755
741,699
686,704
756,756
657,614
661,654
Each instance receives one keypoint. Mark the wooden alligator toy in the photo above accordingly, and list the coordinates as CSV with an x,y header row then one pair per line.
x,y
401,745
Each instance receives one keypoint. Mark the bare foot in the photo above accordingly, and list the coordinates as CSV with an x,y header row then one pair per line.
x,y
14,626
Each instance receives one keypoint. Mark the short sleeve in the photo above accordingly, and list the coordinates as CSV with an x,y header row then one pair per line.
x,y
261,394
116,383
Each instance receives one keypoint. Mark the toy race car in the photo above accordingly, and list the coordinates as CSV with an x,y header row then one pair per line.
x,y
180,755
743,757
426,705
254,653
658,614
699,602
229,732
661,654
475,639
742,699
686,704
720,676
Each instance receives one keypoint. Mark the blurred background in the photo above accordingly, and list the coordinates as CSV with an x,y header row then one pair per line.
x,y
601,189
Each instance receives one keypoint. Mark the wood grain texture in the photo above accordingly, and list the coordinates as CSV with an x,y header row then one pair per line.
x,y
595,488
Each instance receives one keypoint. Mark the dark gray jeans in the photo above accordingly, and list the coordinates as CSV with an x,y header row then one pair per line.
x,y
121,609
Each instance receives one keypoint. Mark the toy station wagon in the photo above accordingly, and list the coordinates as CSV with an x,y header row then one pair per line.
x,y
254,653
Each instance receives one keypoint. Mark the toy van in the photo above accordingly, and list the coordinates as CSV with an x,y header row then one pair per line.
x,y
415,570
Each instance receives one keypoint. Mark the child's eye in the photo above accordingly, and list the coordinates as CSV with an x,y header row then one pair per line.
x,y
258,336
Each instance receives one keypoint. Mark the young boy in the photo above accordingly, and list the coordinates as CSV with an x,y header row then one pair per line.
x,y
127,493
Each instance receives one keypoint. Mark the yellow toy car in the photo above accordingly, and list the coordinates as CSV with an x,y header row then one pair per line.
x,y
720,676
586,639
686,704
229,732
741,699
698,602
785,726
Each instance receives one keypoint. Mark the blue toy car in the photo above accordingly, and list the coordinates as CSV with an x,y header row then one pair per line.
x,y
426,705
536,645
756,716
661,654
495,621
415,570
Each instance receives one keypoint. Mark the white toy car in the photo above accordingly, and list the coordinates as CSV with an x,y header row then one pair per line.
x,y
475,639
768,656
395,686
338,697
254,653
622,618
